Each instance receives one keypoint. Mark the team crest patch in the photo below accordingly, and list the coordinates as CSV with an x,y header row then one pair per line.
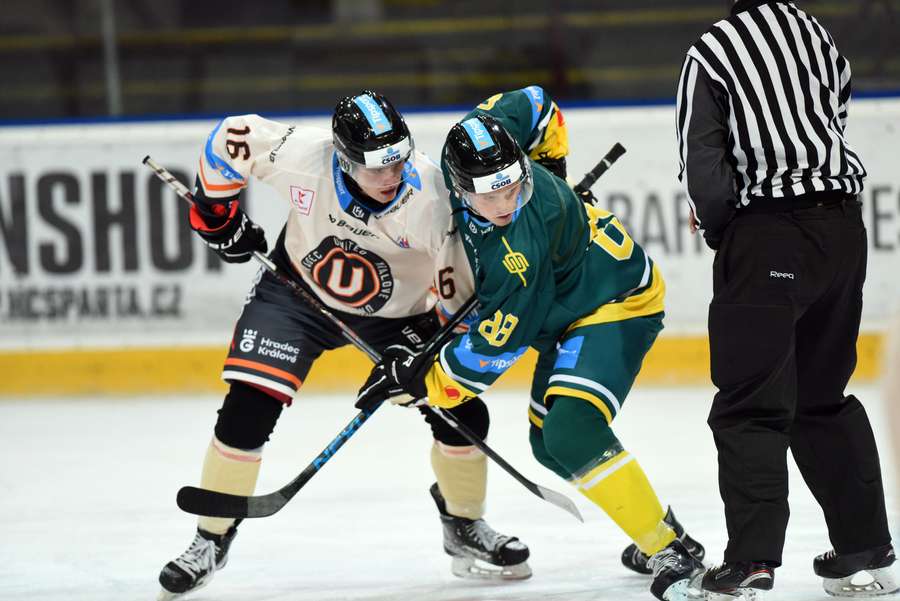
x,y
353,275
515,262
302,199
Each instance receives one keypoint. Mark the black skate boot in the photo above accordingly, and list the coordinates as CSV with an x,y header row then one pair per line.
x,y
193,569
838,572
635,560
738,580
675,573
477,550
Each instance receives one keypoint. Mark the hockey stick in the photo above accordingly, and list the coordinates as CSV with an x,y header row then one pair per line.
x,y
599,169
201,501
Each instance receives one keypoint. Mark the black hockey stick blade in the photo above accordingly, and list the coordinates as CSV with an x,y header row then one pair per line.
x,y
200,501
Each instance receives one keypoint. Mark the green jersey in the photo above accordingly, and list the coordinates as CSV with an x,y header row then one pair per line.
x,y
558,264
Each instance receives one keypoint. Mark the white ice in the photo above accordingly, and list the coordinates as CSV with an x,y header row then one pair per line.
x,y
87,508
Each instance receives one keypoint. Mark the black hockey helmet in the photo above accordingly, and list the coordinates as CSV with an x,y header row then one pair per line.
x,y
483,157
369,132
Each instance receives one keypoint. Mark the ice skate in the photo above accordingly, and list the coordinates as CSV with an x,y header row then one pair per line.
x,y
477,550
193,569
742,580
675,573
635,560
838,572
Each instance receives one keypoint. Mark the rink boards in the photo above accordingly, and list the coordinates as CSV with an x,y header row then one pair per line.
x,y
103,288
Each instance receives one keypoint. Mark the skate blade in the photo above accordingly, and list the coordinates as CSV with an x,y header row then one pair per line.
x,y
475,569
741,594
883,582
685,590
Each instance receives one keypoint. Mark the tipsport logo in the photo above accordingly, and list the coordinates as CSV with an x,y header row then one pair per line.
x,y
373,113
501,180
478,133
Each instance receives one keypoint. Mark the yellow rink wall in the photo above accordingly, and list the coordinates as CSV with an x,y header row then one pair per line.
x,y
673,361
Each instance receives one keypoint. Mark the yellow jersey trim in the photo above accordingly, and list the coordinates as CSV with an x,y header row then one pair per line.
x,y
444,391
534,419
580,394
648,302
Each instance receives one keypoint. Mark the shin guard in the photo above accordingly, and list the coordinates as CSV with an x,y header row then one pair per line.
x,y
230,470
462,478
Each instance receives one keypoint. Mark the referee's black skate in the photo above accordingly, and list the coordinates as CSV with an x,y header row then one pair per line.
x,y
479,551
838,570
745,580
193,569
635,560
675,573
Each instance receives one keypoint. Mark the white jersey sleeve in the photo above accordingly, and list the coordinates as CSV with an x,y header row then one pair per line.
x,y
236,149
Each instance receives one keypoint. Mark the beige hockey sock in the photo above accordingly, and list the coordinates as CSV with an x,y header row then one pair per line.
x,y
229,470
462,477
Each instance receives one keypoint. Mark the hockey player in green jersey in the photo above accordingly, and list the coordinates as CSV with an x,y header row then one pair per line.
x,y
565,278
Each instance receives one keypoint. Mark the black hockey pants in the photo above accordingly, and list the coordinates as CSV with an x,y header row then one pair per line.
x,y
783,325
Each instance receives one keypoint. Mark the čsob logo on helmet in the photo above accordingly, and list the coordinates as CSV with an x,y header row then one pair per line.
x,y
502,180
393,155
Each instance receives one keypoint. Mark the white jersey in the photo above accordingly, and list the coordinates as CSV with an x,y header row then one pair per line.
x,y
363,262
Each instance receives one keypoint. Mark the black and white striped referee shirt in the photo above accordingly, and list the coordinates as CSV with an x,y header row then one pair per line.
x,y
761,113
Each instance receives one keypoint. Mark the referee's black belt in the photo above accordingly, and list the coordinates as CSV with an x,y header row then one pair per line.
x,y
825,200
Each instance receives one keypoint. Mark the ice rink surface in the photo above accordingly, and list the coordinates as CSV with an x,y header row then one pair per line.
x,y
87,509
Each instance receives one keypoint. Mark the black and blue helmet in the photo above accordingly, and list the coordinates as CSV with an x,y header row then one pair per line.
x,y
369,132
483,157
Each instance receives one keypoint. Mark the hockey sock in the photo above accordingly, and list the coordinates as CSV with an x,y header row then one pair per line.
x,y
462,478
577,436
230,470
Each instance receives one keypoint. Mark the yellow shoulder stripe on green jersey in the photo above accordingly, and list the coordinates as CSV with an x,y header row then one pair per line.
x,y
554,142
648,302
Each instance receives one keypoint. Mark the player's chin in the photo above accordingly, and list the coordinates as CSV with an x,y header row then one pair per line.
x,y
502,219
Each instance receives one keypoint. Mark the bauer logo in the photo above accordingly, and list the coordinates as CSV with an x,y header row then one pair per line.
x,y
248,340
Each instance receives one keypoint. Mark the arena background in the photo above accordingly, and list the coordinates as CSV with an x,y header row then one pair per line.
x,y
103,288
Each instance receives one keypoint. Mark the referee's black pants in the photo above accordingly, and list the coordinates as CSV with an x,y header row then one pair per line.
x,y
783,325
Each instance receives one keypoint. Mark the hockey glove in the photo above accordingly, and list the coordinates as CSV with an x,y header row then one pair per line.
x,y
231,234
401,371
555,166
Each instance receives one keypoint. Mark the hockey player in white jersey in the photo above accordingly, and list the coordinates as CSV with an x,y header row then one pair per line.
x,y
369,218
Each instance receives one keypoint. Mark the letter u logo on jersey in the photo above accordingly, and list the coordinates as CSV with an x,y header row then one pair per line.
x,y
337,278
353,275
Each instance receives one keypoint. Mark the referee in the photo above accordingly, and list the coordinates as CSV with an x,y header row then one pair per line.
x,y
773,186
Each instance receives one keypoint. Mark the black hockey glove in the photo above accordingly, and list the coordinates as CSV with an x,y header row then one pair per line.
x,y
555,166
400,371
231,234
585,196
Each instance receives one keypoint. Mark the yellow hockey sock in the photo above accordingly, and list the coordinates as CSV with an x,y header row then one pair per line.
x,y
229,470
620,487
462,477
